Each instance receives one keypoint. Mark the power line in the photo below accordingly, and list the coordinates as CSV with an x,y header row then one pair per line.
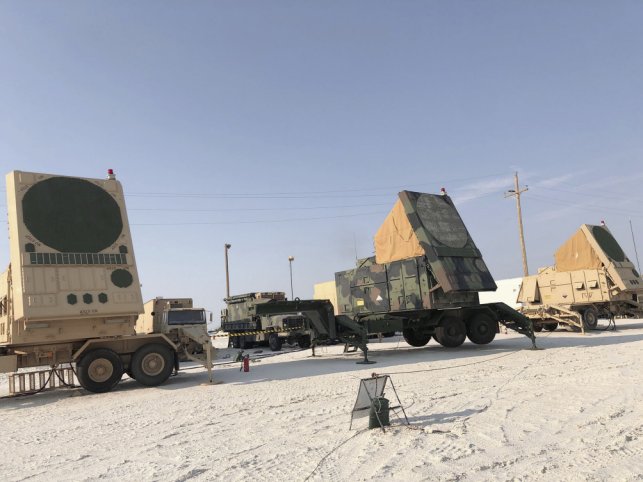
x,y
297,208
594,195
584,205
266,221
307,193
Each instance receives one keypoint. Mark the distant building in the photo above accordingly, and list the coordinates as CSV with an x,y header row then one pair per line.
x,y
507,292
326,291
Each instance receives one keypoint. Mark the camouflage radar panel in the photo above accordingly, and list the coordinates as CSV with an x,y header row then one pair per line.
x,y
71,248
429,225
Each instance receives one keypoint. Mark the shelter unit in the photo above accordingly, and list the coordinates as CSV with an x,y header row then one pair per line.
x,y
592,278
326,291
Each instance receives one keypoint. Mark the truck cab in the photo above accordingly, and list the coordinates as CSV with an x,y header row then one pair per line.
x,y
174,317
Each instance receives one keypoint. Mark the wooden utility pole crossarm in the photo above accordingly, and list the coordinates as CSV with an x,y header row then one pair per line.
x,y
516,192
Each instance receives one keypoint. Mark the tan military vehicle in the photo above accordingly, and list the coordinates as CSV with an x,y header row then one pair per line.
x,y
592,278
71,293
178,319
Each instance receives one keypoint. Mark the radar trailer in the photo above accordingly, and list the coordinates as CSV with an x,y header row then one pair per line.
x,y
71,294
423,281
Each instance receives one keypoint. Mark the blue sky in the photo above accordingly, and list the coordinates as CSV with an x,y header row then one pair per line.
x,y
288,127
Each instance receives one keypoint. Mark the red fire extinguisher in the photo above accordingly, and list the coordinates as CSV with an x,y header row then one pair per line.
x,y
246,363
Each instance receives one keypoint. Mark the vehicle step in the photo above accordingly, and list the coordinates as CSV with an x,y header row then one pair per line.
x,y
37,381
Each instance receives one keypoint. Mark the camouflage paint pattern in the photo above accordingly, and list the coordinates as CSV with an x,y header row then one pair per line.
x,y
401,286
455,261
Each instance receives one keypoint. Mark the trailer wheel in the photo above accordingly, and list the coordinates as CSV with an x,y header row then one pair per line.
x,y
274,342
99,370
414,338
538,328
590,318
451,333
551,326
152,364
482,329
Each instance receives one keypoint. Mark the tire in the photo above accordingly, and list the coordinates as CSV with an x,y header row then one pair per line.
x,y
413,338
590,318
538,328
451,333
551,326
304,342
235,341
482,329
99,370
388,334
152,364
274,342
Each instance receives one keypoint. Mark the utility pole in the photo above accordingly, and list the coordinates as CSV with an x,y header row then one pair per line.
x,y
227,274
516,192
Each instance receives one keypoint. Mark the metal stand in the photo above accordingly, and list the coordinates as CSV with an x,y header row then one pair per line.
x,y
371,388
365,361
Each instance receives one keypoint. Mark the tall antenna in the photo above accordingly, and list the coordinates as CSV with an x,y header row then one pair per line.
x,y
355,245
516,192
635,251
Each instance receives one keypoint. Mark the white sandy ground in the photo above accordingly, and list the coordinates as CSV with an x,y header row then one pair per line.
x,y
572,411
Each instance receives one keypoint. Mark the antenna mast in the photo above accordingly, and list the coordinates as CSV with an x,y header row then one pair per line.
x,y
635,251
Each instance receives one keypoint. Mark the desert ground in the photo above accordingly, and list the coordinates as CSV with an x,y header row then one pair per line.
x,y
571,410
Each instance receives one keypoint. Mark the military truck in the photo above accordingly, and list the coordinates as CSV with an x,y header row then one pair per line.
x,y
592,278
423,281
246,328
71,294
175,317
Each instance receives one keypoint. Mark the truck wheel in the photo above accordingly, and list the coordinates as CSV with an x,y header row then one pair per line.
x,y
590,318
274,342
551,326
414,338
304,342
482,329
451,333
99,370
152,364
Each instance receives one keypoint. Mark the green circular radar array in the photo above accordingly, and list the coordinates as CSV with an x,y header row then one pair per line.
x,y
72,215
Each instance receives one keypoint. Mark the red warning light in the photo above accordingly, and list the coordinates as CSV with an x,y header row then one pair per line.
x,y
110,172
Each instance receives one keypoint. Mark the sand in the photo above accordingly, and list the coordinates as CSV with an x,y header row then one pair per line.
x,y
570,411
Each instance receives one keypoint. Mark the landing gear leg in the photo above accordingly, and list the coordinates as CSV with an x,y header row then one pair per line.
x,y
365,361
